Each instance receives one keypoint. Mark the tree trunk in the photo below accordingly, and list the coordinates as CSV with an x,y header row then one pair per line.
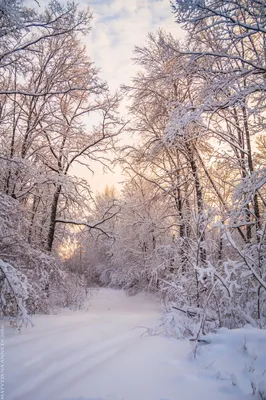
x,y
35,205
52,224
251,168
244,173
199,197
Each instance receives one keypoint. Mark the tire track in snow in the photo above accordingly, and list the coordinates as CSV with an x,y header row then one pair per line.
x,y
62,350
106,352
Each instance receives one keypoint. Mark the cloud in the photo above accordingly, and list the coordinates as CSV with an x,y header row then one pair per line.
x,y
119,26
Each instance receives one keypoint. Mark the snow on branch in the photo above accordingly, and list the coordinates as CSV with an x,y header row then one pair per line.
x,y
42,94
213,13
90,226
14,287
249,262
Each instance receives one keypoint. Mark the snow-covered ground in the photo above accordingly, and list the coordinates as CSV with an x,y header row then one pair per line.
x,y
103,354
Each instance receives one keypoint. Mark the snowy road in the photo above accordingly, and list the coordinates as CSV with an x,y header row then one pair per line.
x,y
101,355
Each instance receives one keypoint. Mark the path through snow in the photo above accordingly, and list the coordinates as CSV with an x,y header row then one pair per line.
x,y
101,354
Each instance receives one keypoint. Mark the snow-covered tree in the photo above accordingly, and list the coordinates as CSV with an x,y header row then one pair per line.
x,y
55,112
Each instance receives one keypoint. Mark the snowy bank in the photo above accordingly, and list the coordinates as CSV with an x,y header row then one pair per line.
x,y
237,357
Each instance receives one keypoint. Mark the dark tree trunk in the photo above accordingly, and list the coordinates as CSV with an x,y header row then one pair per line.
x,y
51,231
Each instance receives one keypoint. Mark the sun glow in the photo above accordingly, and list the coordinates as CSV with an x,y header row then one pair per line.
x,y
68,248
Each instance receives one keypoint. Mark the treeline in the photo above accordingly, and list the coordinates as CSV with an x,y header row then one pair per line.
x,y
192,221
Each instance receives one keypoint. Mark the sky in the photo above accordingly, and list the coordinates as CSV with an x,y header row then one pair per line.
x,y
118,26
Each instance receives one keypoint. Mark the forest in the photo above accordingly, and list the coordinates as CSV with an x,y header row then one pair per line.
x,y
188,223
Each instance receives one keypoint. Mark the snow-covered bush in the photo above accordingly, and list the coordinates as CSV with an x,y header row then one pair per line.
x,y
15,293
31,281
